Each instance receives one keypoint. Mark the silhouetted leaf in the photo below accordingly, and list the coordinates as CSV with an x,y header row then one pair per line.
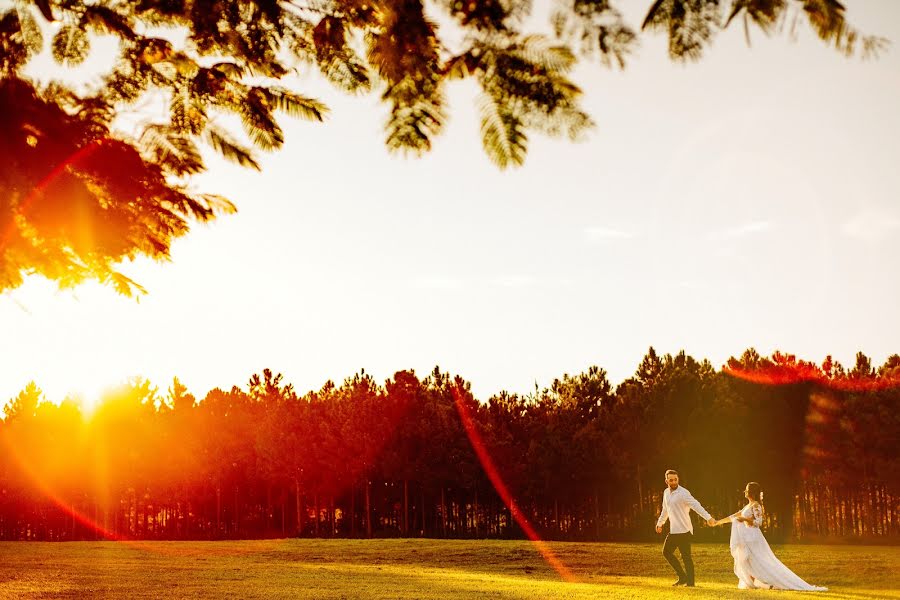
x,y
105,20
70,46
222,142
44,7
172,150
502,134
600,28
296,105
690,25
218,204
31,33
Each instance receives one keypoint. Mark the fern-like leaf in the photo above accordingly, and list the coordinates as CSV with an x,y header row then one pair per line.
x,y
337,60
230,149
502,134
124,285
541,51
417,116
32,37
105,20
600,28
71,46
296,105
171,149
187,113
691,25
260,126
218,204
826,17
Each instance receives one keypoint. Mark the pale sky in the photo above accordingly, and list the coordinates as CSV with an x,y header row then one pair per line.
x,y
747,200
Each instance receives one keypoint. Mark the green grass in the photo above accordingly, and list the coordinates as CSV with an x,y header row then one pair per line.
x,y
406,569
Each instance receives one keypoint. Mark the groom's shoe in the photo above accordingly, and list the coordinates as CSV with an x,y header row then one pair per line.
x,y
680,582
689,584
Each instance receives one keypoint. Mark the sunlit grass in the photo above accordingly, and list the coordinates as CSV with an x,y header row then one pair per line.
x,y
407,569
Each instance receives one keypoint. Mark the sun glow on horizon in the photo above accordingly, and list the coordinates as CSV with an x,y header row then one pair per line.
x,y
87,400
77,329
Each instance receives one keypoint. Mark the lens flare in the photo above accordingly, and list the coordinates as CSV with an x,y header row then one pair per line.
x,y
822,420
487,463
46,181
778,374
40,482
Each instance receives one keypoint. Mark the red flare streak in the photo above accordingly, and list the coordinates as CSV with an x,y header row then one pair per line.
x,y
493,474
56,498
42,185
158,548
783,375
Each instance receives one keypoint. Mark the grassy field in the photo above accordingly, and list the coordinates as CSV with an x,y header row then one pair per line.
x,y
406,569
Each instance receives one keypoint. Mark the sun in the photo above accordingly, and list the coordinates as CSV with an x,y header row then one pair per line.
x,y
77,332
87,393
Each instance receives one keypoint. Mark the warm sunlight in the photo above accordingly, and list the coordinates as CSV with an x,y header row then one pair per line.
x,y
87,401
452,299
79,333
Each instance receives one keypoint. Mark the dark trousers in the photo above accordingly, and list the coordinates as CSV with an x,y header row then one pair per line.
x,y
681,541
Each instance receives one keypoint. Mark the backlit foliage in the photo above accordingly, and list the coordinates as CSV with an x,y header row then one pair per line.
x,y
78,196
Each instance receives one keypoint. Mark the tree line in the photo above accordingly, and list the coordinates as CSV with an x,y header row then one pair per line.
x,y
581,459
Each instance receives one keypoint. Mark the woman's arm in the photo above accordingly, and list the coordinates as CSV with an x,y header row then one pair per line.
x,y
755,520
727,519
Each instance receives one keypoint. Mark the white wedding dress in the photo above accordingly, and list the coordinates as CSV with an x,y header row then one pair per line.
x,y
754,562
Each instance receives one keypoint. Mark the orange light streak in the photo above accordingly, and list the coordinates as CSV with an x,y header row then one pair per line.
x,y
46,181
784,375
487,463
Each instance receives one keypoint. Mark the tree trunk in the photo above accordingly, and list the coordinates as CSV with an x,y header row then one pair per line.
x,y
423,515
463,519
368,509
640,486
443,514
299,511
353,510
331,515
269,510
556,515
405,508
146,520
475,514
316,500
218,511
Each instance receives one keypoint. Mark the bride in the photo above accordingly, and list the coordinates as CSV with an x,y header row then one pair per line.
x,y
754,562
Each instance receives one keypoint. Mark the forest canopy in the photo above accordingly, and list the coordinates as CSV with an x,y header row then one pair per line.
x,y
583,459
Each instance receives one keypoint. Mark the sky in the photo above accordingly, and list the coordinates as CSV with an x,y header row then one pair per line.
x,y
748,200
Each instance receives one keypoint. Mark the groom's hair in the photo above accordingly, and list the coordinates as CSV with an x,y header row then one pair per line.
x,y
671,472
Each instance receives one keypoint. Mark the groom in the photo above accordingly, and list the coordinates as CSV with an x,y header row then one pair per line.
x,y
676,507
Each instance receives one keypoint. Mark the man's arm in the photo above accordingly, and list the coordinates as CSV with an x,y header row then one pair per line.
x,y
697,508
663,515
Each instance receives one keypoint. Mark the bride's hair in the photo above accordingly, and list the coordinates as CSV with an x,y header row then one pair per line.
x,y
754,491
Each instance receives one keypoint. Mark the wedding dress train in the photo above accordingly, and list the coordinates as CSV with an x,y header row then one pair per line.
x,y
755,565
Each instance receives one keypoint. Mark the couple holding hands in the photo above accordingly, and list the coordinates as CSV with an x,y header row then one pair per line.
x,y
755,565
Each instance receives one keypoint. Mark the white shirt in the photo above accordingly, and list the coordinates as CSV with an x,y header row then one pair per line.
x,y
676,507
